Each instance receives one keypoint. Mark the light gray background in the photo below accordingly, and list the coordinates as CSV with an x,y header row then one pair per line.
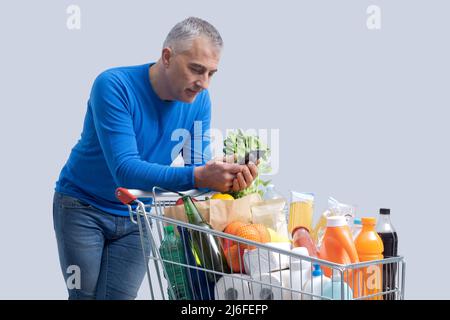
x,y
362,114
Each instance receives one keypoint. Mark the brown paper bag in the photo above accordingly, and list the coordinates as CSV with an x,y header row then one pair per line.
x,y
219,213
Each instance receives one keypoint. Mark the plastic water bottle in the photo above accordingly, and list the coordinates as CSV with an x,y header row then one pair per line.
x,y
172,249
333,289
315,286
357,226
271,193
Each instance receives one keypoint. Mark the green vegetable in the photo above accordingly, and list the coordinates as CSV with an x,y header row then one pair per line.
x,y
237,142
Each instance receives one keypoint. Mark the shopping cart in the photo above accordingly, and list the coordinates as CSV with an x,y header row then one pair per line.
x,y
260,271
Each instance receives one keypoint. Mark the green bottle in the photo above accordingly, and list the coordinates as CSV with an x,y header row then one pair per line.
x,y
206,246
172,249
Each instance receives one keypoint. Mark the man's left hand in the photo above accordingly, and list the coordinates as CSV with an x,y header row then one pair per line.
x,y
245,178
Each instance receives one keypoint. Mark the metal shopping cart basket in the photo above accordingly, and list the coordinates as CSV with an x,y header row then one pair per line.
x,y
258,271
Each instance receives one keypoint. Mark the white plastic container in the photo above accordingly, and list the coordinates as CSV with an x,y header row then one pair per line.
x,y
314,288
295,278
333,289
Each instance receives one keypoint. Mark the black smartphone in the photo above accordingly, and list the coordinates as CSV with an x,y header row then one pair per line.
x,y
254,155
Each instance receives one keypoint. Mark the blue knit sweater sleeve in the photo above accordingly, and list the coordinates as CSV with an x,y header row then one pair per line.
x,y
200,151
114,126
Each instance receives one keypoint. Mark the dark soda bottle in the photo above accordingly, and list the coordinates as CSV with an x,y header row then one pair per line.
x,y
388,235
206,246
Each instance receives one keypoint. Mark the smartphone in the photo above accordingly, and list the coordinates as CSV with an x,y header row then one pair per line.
x,y
254,155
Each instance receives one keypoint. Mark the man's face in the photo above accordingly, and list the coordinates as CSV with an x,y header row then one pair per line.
x,y
190,72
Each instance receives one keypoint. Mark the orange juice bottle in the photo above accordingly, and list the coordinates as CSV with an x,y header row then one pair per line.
x,y
370,247
338,246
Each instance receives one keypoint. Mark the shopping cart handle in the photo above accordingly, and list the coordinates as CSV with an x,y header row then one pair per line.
x,y
125,196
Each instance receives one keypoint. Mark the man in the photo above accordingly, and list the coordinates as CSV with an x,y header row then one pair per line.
x,y
127,142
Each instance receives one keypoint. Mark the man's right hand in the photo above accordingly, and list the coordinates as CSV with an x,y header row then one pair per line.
x,y
216,175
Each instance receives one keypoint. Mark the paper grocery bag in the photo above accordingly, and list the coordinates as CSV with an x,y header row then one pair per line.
x,y
219,213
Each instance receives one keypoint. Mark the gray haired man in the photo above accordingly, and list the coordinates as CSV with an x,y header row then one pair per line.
x,y
127,142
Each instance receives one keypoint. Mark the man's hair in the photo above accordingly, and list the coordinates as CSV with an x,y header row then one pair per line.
x,y
180,37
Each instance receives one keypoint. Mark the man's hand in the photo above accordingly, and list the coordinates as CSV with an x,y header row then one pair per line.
x,y
245,178
225,176
216,175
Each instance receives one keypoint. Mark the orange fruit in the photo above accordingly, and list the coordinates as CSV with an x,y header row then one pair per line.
x,y
232,255
248,232
226,243
233,226
254,232
263,232
231,229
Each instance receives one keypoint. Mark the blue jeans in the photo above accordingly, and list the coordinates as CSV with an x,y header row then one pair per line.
x,y
100,254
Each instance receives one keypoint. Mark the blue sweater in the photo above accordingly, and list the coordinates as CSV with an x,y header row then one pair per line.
x,y
130,137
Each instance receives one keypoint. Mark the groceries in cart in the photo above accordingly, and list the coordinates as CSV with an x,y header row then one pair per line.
x,y
248,256
212,249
